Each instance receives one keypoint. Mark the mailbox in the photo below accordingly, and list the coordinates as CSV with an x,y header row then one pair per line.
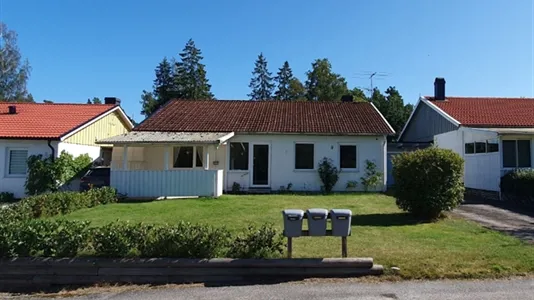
x,y
341,221
317,221
293,222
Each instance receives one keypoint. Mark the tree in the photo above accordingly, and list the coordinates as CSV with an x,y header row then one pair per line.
x,y
95,100
149,103
14,72
324,85
190,74
392,107
358,95
164,88
261,82
283,79
297,91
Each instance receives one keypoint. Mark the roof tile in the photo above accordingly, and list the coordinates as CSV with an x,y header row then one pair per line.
x,y
267,117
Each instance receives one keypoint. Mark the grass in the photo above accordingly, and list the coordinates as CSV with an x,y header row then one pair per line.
x,y
450,248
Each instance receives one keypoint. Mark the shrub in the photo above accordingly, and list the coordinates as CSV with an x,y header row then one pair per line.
x,y
114,240
428,181
7,197
236,188
372,177
328,173
518,186
185,240
262,242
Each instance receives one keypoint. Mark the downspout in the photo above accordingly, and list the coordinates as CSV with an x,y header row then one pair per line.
x,y
52,148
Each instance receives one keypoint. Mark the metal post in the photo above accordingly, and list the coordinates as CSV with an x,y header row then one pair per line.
x,y
343,246
289,247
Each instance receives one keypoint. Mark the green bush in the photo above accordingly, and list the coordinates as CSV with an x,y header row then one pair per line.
x,y
262,242
7,197
518,186
50,238
114,240
328,173
428,181
372,177
185,240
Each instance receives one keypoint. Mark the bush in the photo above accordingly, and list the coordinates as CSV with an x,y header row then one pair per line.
x,y
372,177
185,240
262,242
428,181
518,186
328,173
7,197
114,240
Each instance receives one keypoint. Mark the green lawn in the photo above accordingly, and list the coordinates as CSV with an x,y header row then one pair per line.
x,y
450,248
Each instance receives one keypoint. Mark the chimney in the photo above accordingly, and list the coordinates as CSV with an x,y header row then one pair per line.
x,y
439,89
347,98
12,109
112,100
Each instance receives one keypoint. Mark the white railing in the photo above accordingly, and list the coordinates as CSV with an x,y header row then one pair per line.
x,y
170,183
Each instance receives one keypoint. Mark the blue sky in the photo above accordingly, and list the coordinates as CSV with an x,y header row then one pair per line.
x,y
81,49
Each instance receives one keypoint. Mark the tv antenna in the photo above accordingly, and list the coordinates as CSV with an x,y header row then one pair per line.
x,y
371,76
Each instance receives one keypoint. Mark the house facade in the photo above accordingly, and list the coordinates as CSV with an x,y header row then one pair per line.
x,y
202,148
493,135
48,129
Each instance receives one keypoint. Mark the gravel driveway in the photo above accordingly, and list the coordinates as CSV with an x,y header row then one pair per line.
x,y
516,224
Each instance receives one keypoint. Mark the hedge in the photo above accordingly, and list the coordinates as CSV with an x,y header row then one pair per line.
x,y
62,238
428,181
518,186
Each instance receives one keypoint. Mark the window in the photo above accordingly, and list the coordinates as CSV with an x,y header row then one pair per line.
x,y
304,157
198,161
516,154
480,147
183,157
469,148
347,157
17,161
493,146
238,156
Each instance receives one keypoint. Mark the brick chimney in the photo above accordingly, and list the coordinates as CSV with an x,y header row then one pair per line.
x,y
112,100
439,89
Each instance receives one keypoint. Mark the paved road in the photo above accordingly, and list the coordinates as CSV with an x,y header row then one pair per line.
x,y
518,225
451,290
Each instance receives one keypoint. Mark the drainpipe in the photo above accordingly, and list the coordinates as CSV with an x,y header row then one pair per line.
x,y
52,148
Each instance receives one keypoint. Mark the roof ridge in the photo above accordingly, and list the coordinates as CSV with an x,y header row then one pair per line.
x,y
263,101
480,98
61,103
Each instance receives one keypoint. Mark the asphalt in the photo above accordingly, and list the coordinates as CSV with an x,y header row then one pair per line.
x,y
427,290
496,218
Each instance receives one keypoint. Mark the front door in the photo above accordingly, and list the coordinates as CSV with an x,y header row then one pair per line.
x,y
260,165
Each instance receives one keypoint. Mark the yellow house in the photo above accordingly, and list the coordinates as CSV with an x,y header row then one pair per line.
x,y
46,128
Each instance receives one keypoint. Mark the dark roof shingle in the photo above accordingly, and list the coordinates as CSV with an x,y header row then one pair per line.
x,y
46,121
489,112
267,117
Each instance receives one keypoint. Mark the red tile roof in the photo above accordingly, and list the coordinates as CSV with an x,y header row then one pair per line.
x,y
489,112
46,121
267,117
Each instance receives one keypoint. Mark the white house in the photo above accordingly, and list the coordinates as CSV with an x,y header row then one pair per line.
x,y
204,147
39,128
493,135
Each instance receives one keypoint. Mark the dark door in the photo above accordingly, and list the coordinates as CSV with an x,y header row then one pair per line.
x,y
260,165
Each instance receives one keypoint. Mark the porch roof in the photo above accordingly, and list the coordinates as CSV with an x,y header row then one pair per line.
x,y
516,131
161,137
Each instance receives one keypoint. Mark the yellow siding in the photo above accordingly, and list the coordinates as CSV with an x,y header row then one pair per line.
x,y
108,126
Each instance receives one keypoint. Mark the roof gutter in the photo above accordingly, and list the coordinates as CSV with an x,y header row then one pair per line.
x,y
53,156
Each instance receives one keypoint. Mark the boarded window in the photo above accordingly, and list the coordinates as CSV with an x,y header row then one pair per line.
x,y
238,156
183,157
304,156
469,148
17,162
347,155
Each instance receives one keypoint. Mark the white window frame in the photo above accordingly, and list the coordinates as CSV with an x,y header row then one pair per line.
x,y
8,161
295,157
195,167
516,154
357,157
229,157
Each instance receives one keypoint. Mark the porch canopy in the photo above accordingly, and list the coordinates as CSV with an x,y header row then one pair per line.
x,y
160,137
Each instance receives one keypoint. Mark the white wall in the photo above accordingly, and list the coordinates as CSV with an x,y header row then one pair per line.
x,y
481,171
77,150
15,184
282,156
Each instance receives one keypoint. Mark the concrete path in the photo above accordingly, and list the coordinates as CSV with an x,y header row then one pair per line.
x,y
518,225
434,290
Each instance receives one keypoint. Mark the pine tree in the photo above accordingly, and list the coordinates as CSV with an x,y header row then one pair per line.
x,y
14,72
261,82
190,77
323,84
283,79
164,88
